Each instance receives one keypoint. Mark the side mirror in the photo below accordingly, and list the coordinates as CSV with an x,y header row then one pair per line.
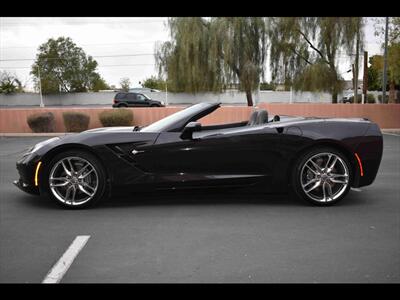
x,y
189,129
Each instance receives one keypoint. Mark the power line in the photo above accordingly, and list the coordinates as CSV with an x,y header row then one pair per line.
x,y
103,44
127,65
80,23
117,55
85,20
100,66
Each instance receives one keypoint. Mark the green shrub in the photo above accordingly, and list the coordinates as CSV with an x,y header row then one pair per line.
x,y
359,99
116,117
370,98
380,98
41,122
75,121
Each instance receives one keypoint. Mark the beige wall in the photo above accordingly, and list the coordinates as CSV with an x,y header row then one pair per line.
x,y
13,120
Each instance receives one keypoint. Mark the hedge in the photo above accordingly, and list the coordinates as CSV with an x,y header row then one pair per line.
x,y
41,122
116,117
75,121
370,98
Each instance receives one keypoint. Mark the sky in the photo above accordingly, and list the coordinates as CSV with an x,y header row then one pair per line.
x,y
110,40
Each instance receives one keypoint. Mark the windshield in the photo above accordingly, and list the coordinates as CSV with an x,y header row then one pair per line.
x,y
166,122
146,96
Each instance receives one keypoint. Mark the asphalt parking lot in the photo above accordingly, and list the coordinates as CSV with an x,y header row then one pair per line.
x,y
204,237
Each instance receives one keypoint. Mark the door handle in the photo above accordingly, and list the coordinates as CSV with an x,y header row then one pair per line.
x,y
134,151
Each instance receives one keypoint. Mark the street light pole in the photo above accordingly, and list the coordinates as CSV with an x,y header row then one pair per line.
x,y
40,89
365,78
166,92
385,63
356,68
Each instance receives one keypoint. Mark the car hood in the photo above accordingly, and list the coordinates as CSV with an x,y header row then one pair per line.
x,y
98,137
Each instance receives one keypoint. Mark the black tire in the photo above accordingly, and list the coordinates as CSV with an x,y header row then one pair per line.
x,y
98,195
297,176
154,105
122,105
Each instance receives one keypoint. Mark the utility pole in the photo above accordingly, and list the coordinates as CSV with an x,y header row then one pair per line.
x,y
40,89
354,83
166,92
356,67
385,63
365,78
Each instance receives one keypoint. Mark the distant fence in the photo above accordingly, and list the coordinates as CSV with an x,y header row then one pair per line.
x,y
106,98
13,120
227,97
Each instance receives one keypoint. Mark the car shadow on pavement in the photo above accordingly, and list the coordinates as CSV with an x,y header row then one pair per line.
x,y
218,198
196,198
200,198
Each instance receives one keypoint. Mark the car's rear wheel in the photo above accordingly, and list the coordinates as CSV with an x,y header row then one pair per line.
x,y
75,179
122,105
322,176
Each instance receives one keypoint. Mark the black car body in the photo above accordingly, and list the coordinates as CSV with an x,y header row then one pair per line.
x,y
178,152
132,99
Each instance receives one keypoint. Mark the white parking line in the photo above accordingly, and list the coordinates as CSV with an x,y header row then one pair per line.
x,y
356,189
57,272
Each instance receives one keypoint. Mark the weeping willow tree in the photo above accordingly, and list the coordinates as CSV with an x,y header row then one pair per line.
x,y
305,50
208,54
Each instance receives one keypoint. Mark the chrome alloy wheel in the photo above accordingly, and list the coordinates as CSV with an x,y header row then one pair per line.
x,y
324,177
73,180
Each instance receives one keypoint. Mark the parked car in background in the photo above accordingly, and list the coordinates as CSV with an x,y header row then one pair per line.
x,y
128,99
348,98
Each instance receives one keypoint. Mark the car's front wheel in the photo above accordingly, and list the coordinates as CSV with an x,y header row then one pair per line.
x,y
75,179
322,176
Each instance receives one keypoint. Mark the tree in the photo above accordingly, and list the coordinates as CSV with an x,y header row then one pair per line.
x,y
304,50
393,69
393,30
125,84
265,86
9,83
393,58
375,72
99,84
207,54
64,67
154,83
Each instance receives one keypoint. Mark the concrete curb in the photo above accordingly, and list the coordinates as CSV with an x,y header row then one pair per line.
x,y
394,130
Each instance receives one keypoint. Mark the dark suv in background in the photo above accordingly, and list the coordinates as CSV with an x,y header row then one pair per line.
x,y
128,99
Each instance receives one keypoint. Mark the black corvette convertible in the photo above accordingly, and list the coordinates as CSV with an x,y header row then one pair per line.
x,y
318,159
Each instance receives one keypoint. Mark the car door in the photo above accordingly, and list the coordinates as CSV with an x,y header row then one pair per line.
x,y
239,155
131,99
141,100
213,157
